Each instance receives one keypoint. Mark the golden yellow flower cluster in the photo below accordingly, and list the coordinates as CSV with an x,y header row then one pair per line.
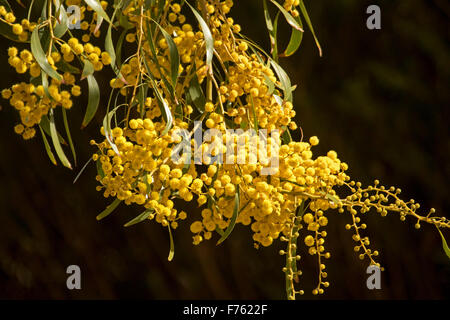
x,y
195,83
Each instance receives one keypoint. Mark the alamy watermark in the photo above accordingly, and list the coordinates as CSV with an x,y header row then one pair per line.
x,y
374,20
232,147
74,279
374,280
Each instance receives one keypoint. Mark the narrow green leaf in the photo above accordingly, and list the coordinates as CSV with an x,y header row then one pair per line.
x,y
270,85
172,246
142,95
56,144
284,79
45,125
142,217
310,26
109,47
294,42
69,136
233,218
444,244
88,69
66,67
272,27
93,100
40,56
333,198
209,41
107,128
219,231
289,18
97,7
286,136
174,56
100,169
165,110
255,119
82,170
118,52
196,93
47,147
61,26
155,60
109,209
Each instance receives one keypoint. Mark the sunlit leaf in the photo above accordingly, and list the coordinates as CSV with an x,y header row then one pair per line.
x,y
39,55
69,136
233,218
294,41
47,147
209,41
284,79
310,26
142,217
172,246
56,144
97,7
289,18
109,209
93,100
444,244
174,56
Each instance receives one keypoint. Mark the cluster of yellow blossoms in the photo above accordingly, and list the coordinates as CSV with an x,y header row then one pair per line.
x,y
183,75
32,99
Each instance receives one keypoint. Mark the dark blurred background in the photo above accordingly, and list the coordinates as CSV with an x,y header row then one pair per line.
x,y
379,98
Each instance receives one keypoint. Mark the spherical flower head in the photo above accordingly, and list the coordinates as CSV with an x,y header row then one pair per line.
x,y
314,140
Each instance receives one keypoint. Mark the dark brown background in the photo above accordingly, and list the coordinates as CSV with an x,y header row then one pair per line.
x,y
379,98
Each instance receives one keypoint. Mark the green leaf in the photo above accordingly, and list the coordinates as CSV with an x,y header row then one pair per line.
x,y
233,218
294,42
47,147
272,27
69,136
142,94
93,100
118,52
97,7
284,79
270,85
109,209
308,22
56,144
155,60
82,170
61,26
99,169
107,128
172,246
444,244
289,18
88,69
196,93
109,47
140,218
209,41
45,125
40,56
66,67
174,56
255,119
333,198
165,110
